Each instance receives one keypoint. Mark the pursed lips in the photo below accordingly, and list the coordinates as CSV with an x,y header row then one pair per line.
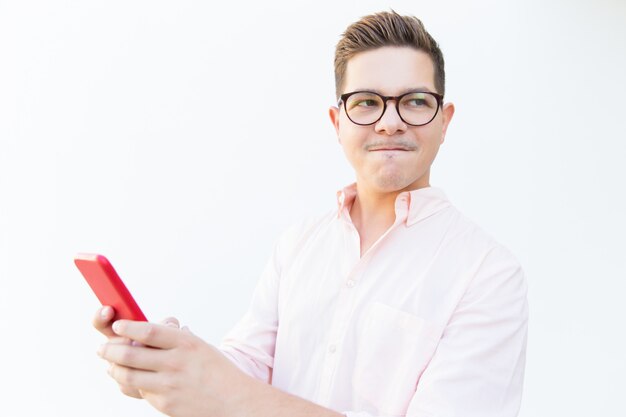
x,y
390,148
398,145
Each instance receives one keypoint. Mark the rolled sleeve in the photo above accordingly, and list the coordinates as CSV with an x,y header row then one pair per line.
x,y
251,343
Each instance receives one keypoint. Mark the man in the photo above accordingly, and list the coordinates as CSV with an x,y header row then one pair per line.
x,y
392,304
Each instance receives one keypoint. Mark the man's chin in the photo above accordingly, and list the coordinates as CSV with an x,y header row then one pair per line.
x,y
394,183
391,184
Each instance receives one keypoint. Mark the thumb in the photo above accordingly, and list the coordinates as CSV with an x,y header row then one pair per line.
x,y
171,322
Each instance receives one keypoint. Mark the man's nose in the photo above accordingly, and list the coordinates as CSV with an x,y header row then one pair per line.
x,y
391,122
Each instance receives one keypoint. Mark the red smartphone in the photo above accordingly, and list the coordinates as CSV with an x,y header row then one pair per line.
x,y
108,286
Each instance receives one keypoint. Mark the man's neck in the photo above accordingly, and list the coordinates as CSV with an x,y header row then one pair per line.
x,y
373,213
373,210
372,206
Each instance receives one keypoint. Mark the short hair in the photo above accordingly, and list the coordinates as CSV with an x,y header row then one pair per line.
x,y
387,29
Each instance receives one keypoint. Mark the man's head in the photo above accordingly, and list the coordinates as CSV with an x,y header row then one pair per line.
x,y
387,29
390,119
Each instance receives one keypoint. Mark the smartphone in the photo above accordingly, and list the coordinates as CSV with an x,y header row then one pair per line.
x,y
108,286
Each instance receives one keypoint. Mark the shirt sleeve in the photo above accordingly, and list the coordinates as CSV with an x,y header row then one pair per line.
x,y
477,369
251,343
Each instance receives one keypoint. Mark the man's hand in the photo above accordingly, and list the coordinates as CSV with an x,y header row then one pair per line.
x,y
174,370
102,321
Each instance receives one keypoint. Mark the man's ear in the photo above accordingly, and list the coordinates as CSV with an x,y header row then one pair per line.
x,y
447,111
333,112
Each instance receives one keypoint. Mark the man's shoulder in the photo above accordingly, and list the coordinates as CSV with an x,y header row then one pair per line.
x,y
471,238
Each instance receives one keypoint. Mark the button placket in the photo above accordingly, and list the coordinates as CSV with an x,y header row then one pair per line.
x,y
340,322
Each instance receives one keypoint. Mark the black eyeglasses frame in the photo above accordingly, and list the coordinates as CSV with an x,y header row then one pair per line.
x,y
344,97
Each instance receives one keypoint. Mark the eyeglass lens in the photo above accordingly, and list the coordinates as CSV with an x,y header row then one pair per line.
x,y
415,108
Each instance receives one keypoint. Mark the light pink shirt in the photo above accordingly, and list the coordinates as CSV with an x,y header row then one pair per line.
x,y
431,321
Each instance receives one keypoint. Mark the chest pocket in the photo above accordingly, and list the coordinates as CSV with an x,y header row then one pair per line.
x,y
393,349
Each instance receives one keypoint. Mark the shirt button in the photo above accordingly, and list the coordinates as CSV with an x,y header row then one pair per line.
x,y
350,283
332,348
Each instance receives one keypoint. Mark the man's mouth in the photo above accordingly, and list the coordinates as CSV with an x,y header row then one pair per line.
x,y
401,146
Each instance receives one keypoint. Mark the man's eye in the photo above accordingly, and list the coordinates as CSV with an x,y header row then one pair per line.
x,y
367,103
417,102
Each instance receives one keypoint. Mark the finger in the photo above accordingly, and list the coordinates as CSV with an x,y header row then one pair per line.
x,y
147,359
118,340
131,392
102,321
134,378
170,321
149,334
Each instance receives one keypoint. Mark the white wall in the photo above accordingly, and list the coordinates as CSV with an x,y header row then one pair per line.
x,y
122,131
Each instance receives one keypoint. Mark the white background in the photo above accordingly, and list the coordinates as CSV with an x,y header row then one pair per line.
x,y
180,138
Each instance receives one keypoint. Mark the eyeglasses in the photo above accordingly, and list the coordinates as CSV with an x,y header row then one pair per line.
x,y
416,108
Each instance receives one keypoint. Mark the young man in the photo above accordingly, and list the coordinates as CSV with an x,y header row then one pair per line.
x,y
392,304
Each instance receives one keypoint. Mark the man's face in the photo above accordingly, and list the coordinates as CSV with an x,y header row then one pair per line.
x,y
390,155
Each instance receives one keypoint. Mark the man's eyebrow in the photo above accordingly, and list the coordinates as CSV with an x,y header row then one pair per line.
x,y
406,90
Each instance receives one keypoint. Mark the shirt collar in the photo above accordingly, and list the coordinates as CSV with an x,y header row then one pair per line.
x,y
416,204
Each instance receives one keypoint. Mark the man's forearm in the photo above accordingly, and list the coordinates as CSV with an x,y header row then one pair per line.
x,y
264,400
